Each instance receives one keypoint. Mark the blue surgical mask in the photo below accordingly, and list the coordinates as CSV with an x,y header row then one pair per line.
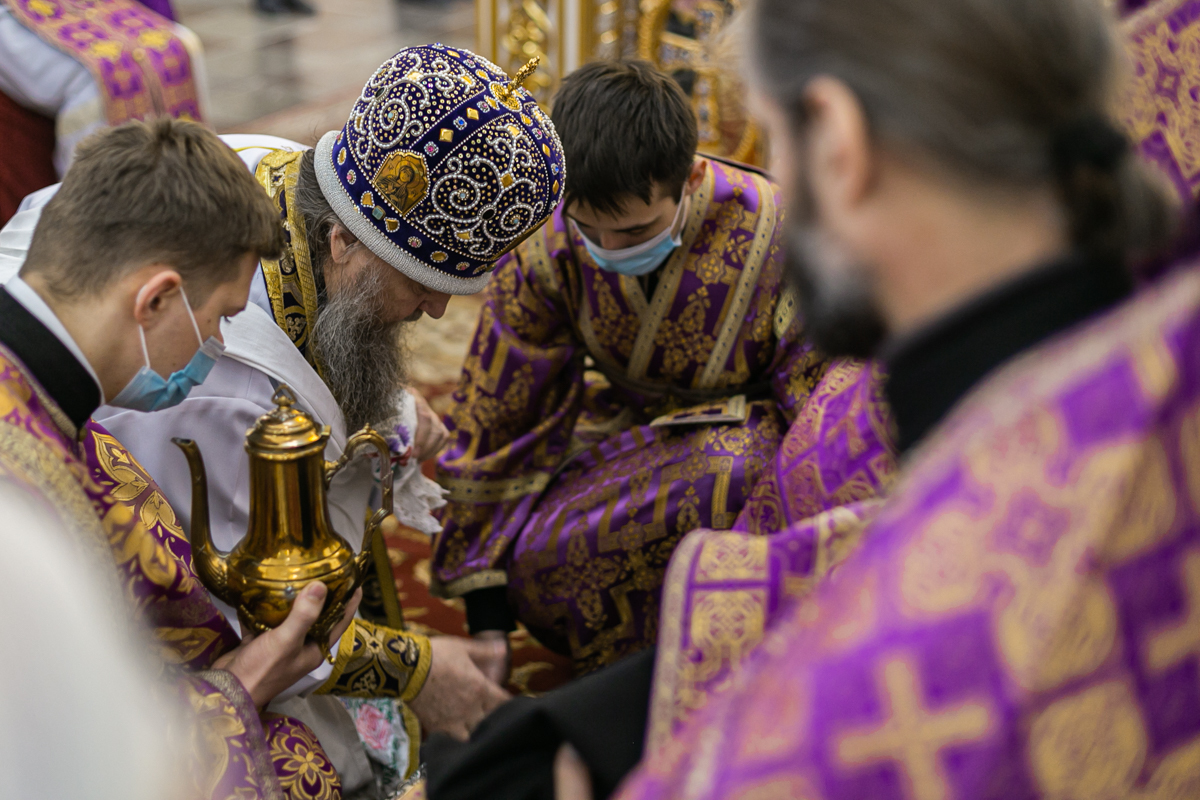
x,y
641,259
149,391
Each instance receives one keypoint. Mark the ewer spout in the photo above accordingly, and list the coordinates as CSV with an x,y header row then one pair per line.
x,y
211,565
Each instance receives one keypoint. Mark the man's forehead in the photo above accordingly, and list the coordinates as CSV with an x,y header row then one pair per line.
x,y
634,211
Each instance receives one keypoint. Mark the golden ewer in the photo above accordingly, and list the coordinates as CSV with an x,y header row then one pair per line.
x,y
290,541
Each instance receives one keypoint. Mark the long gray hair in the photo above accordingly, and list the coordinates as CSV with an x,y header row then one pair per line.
x,y
1006,93
365,359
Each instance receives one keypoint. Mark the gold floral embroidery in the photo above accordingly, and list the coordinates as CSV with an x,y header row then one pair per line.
x,y
615,328
686,340
305,772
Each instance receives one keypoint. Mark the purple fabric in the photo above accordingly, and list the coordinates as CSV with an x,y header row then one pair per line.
x,y
724,589
139,63
1159,98
1023,617
160,7
583,549
839,450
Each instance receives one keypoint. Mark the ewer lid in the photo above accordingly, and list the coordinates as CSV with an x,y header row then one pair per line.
x,y
286,429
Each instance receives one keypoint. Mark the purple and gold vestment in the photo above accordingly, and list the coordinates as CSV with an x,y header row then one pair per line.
x,y
1023,616
717,604
807,514
559,486
122,521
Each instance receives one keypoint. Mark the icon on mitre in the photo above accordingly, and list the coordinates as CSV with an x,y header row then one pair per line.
x,y
402,180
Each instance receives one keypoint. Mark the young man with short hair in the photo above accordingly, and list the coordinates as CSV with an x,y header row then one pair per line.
x,y
151,241
662,272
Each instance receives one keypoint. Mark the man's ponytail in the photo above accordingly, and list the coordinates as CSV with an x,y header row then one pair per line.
x,y
1114,207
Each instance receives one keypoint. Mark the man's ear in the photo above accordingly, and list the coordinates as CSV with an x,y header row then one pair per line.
x,y
154,288
840,159
696,176
341,241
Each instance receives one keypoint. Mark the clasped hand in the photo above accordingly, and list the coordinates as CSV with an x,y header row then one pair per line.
x,y
456,696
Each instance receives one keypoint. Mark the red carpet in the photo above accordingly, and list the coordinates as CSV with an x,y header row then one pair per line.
x,y
535,669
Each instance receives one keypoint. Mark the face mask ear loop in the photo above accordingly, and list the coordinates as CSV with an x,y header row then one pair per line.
x,y
677,224
188,307
145,352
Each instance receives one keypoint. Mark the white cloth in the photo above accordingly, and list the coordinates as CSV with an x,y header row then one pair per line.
x,y
35,305
76,719
44,79
216,415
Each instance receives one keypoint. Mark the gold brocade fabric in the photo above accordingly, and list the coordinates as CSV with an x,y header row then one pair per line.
x,y
291,282
1159,107
721,592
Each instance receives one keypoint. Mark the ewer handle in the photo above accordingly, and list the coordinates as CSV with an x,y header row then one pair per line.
x,y
368,437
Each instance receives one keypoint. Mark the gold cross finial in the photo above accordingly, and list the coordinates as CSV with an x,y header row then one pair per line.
x,y
524,72
505,93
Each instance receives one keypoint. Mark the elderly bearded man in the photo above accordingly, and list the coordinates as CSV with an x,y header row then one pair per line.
x,y
380,231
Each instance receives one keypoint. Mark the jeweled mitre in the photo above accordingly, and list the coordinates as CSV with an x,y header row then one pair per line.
x,y
444,165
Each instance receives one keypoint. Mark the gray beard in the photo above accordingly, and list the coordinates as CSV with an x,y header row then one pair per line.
x,y
364,362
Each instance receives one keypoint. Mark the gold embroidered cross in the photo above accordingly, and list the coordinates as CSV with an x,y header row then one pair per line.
x,y
1173,644
912,735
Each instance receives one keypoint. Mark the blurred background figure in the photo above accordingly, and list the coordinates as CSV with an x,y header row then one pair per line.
x,y
284,7
75,717
69,68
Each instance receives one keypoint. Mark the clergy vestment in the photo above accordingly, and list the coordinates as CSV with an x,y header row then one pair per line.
x,y
839,450
563,500
722,589
117,513
1021,619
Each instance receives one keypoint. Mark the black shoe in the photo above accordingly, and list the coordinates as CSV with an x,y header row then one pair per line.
x,y
299,7
270,6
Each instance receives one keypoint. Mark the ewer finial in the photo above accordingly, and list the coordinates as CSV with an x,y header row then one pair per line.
x,y
284,396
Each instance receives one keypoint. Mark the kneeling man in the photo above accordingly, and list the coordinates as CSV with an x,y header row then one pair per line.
x,y
569,489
